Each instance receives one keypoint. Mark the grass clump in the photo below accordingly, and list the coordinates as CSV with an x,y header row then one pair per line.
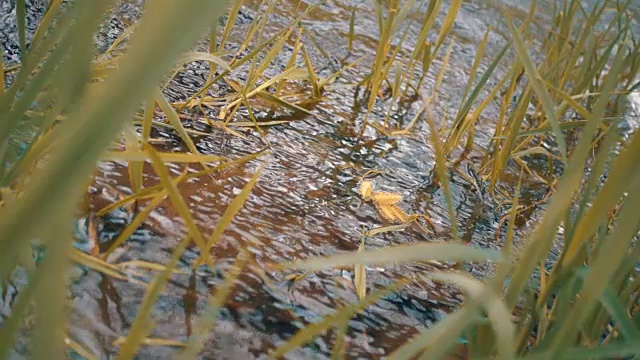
x,y
80,107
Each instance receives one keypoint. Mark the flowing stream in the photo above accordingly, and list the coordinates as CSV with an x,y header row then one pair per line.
x,y
305,203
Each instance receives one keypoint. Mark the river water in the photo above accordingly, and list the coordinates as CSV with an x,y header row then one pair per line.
x,y
305,204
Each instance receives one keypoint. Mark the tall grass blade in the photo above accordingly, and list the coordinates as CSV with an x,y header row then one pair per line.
x,y
140,326
476,63
173,118
11,325
614,350
447,23
91,127
152,190
352,36
542,237
193,56
400,253
21,21
207,321
360,275
343,314
135,224
601,271
51,296
16,106
135,167
229,214
176,197
2,71
438,339
537,84
466,106
619,315
233,15
47,18
441,168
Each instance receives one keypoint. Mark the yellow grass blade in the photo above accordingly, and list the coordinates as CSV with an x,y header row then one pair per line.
x,y
140,327
214,305
176,197
537,83
312,330
229,213
360,276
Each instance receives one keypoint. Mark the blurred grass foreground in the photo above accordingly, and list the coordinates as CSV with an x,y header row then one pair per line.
x,y
562,83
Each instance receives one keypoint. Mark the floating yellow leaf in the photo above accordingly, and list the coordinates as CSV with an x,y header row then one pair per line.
x,y
365,189
383,198
392,212
385,202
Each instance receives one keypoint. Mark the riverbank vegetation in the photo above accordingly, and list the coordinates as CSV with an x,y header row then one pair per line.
x,y
562,98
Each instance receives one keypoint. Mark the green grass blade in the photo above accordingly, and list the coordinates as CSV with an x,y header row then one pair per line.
x,y
601,271
476,63
499,315
47,18
619,315
99,116
98,265
233,15
351,36
21,20
88,13
423,49
2,70
51,296
566,125
250,56
20,306
400,253
339,347
280,102
38,52
597,170
617,350
606,199
466,106
542,237
360,275
468,122
135,167
444,331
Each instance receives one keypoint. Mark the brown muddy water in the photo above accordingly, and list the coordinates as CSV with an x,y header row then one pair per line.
x,y
305,204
